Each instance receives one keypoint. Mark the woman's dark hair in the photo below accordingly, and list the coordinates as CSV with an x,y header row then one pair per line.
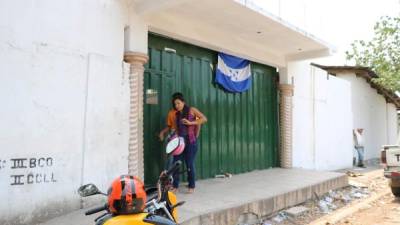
x,y
177,95
186,108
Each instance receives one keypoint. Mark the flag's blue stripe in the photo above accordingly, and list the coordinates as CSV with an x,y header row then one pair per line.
x,y
233,61
230,85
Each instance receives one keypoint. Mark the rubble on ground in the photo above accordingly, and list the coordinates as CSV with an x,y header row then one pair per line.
x,y
359,188
353,174
296,211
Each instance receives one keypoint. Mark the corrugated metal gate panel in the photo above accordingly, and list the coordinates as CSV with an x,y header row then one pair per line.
x,y
242,130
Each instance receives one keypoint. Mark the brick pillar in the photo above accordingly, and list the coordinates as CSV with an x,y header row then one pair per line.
x,y
135,155
285,119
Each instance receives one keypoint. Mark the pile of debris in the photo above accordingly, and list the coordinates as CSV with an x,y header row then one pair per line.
x,y
319,205
360,187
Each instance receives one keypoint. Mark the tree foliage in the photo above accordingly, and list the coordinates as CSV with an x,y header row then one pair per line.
x,y
382,53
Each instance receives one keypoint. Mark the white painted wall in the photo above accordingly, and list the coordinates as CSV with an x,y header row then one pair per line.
x,y
303,129
370,111
392,123
322,119
333,122
65,102
327,110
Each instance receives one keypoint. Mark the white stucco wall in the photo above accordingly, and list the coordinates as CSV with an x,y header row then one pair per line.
x,y
370,111
65,102
392,123
322,119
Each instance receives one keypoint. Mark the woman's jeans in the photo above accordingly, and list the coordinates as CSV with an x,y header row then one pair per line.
x,y
189,156
360,152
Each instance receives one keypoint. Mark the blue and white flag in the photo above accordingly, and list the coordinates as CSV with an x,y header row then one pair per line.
x,y
233,73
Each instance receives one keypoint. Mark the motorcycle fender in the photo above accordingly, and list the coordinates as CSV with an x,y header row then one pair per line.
x,y
172,201
132,219
158,220
102,220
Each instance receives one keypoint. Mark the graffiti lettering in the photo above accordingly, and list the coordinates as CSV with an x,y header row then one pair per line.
x,y
25,177
18,180
31,178
32,163
18,163
52,178
49,162
41,162
45,178
38,178
2,164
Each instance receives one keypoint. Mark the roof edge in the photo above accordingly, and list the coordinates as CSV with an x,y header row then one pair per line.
x,y
368,75
250,4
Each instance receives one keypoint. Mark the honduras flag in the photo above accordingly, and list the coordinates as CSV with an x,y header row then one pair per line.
x,y
233,73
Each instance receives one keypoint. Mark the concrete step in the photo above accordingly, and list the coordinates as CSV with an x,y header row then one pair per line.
x,y
223,201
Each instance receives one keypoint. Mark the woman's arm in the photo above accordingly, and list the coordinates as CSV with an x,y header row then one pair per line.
x,y
202,118
162,133
197,114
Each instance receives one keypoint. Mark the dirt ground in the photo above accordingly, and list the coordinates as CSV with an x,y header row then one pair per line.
x,y
368,201
385,211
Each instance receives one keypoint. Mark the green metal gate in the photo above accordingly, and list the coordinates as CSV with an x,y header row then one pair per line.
x,y
242,129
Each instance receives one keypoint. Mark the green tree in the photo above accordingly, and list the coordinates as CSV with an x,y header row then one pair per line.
x,y
382,53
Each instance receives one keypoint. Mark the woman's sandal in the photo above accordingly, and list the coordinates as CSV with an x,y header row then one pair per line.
x,y
190,190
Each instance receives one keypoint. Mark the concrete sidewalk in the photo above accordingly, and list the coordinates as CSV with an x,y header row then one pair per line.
x,y
223,201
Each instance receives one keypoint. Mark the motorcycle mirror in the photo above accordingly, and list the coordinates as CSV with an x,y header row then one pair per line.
x,y
88,190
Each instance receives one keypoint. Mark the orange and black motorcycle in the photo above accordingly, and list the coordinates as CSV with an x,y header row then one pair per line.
x,y
130,204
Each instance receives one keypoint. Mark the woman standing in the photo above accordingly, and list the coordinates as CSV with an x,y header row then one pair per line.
x,y
187,121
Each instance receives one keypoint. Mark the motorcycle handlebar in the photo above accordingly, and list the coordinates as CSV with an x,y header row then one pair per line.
x,y
175,167
96,210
